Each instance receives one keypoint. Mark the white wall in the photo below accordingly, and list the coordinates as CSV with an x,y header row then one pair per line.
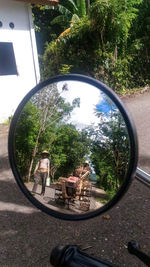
x,y
14,87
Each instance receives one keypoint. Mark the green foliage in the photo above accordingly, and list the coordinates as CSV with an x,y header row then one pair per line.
x,y
67,150
65,69
111,43
110,150
25,137
50,22
45,32
69,12
42,125
64,51
140,45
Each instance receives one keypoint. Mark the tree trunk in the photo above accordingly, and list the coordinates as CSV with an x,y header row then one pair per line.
x,y
42,127
52,171
88,6
115,54
33,155
37,141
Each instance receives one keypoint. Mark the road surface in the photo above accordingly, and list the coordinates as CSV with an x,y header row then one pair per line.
x,y
139,108
27,235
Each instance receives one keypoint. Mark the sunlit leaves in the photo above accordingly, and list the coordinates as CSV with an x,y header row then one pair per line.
x,y
110,150
43,126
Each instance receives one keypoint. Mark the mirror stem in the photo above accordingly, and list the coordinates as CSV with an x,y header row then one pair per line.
x,y
134,248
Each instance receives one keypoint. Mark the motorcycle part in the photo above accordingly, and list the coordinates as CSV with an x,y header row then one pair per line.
x,y
88,134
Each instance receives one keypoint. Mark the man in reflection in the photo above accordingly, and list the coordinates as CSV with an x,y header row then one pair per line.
x,y
86,170
83,171
41,171
78,171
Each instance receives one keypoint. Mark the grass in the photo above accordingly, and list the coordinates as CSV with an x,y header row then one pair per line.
x,y
101,200
134,91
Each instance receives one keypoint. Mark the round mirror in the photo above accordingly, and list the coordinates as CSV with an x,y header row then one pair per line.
x,y
72,147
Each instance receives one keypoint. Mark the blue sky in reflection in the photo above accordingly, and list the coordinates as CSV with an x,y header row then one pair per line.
x,y
92,100
106,107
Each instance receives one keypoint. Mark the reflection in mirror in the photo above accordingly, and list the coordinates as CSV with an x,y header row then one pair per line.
x,y
71,147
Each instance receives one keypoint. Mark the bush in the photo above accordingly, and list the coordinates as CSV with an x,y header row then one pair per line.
x,y
100,45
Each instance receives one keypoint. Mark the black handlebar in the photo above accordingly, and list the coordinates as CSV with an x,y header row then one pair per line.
x,y
72,256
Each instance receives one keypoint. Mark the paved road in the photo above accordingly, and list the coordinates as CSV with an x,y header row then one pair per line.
x,y
27,235
58,205
139,108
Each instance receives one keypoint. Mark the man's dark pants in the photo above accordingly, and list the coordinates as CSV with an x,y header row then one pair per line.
x,y
40,176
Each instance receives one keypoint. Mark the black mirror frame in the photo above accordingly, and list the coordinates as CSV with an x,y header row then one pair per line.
x,y
132,137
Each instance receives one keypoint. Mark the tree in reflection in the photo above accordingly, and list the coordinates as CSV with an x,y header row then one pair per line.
x,y
110,148
43,125
68,148
51,108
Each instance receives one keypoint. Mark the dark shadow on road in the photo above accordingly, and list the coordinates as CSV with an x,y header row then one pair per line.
x,y
26,239
4,163
10,193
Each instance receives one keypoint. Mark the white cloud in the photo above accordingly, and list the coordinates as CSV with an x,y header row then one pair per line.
x,y
89,96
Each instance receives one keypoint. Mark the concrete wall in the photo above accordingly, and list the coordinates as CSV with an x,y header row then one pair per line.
x,y
14,87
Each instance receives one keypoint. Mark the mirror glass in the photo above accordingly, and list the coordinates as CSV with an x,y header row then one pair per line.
x,y
72,147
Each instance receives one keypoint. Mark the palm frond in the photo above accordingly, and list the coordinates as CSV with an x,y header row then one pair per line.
x,y
64,33
63,10
59,19
69,4
49,7
74,19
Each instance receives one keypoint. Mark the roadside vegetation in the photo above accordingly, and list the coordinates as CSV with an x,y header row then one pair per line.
x,y
105,39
